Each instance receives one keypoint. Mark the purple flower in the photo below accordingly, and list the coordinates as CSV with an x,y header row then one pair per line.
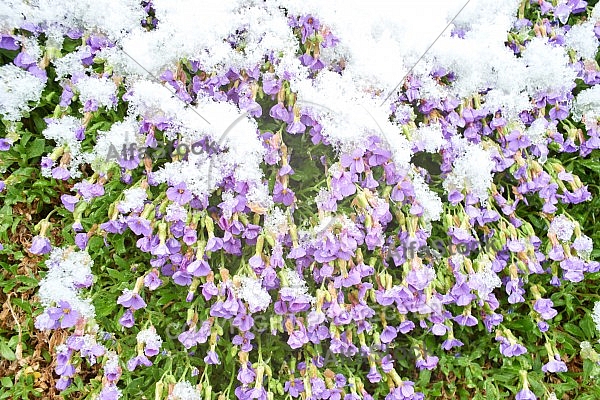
x,y
112,371
40,245
512,350
113,226
243,321
4,145
296,127
127,320
246,374
342,184
179,194
526,394
160,249
61,173
198,268
354,161
212,358
573,269
542,326
389,333
420,278
556,365
406,326
137,361
110,392
63,365
152,281
67,316
294,387
182,278
387,363
69,201
558,112
373,376
139,226
244,340
297,339
429,363
279,112
131,299
450,343
466,319
562,12
152,348
63,383
516,246
88,190
308,26
44,321
189,236
544,307
283,195
9,42
214,243
81,240
271,86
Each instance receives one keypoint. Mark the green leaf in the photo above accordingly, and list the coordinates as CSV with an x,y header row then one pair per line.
x,y
491,390
37,148
573,330
6,352
6,382
22,304
588,327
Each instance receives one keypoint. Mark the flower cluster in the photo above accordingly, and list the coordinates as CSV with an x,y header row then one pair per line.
x,y
299,206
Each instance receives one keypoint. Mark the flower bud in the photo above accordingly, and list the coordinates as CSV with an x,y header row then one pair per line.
x,y
162,232
270,239
158,390
209,224
82,206
208,392
275,323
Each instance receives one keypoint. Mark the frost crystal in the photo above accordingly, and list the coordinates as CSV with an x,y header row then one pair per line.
x,y
472,170
510,102
113,361
60,17
484,281
230,128
254,294
430,137
296,287
562,227
133,199
68,272
583,245
101,91
276,222
537,131
587,104
184,391
428,199
120,135
17,88
70,64
149,336
596,315
547,67
583,40
64,132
